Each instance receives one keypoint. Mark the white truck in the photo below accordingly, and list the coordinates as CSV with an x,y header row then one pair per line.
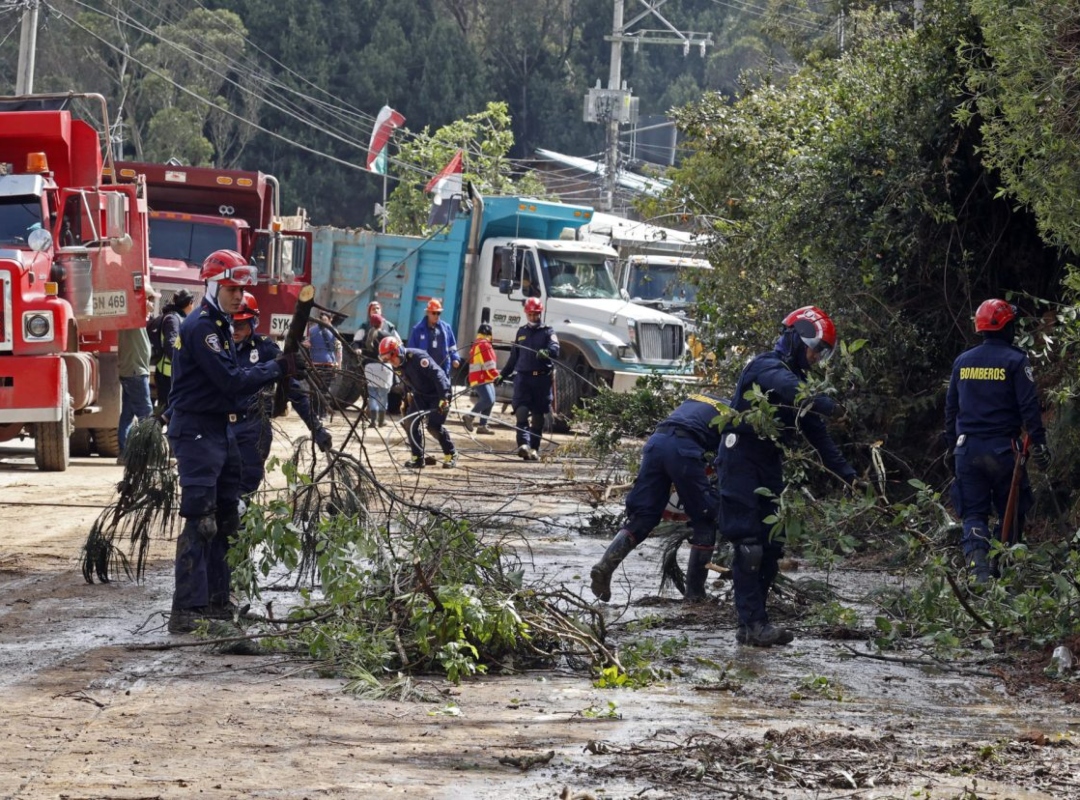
x,y
494,254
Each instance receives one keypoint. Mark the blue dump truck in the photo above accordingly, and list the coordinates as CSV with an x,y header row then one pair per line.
x,y
493,254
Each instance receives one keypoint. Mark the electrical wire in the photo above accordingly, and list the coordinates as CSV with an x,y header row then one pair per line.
x,y
295,113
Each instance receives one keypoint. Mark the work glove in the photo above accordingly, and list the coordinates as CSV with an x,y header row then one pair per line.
x,y
290,365
1040,454
323,440
544,355
499,379
444,406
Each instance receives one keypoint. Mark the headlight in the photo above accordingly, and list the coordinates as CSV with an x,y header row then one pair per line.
x,y
37,325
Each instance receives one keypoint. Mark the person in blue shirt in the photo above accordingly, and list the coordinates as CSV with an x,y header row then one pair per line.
x,y
253,432
436,338
324,350
675,454
530,364
991,396
210,390
748,462
430,390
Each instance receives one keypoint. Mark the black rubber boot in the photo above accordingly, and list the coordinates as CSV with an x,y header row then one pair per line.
x,y
696,574
602,571
979,566
763,634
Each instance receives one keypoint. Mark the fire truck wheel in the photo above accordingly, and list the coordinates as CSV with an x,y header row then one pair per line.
x,y
51,446
107,441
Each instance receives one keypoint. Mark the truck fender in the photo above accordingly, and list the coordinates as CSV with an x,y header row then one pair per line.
x,y
584,339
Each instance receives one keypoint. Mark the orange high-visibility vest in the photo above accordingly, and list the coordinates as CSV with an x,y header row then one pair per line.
x,y
482,367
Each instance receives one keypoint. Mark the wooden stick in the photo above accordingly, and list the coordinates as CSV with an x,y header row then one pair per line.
x,y
295,335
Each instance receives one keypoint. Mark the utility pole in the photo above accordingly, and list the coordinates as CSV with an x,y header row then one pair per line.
x,y
616,105
24,81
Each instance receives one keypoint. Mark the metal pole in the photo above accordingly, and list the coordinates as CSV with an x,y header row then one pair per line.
x,y
24,82
615,83
382,216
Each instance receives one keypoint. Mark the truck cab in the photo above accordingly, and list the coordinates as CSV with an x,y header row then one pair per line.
x,y
73,273
604,338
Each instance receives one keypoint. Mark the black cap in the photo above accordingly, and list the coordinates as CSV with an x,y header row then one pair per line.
x,y
484,329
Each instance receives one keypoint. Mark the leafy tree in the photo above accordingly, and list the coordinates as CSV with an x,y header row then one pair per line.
x,y
485,138
851,187
1026,93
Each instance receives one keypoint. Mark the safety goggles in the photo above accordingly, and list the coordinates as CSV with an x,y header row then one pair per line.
x,y
239,276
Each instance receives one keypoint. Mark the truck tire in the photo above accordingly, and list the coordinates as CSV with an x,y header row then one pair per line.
x,y
51,443
349,384
573,381
107,441
80,445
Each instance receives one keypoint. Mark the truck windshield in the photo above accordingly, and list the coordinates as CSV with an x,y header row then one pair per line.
x,y
578,275
189,241
660,282
19,216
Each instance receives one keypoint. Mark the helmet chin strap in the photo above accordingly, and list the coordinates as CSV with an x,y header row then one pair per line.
x,y
212,294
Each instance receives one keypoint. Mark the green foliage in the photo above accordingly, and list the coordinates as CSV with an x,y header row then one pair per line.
x,y
1024,89
610,417
851,186
820,685
436,595
485,138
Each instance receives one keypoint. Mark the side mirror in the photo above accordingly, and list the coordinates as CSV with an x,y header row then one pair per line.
x,y
625,295
115,215
505,286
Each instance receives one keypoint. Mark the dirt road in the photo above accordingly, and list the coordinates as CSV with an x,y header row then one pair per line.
x,y
86,716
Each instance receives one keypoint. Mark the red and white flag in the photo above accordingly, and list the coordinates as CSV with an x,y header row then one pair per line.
x,y
448,182
385,124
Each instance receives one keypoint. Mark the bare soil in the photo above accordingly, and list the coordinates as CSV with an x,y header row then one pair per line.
x,y
89,712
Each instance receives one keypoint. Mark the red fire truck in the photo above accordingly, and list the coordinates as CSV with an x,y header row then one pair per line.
x,y
197,210
74,269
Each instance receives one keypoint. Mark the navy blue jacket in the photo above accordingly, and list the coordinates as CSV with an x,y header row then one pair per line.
x,y
207,377
439,342
782,383
261,349
695,416
425,379
523,356
992,394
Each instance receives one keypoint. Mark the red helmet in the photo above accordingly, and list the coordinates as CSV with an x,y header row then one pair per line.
x,y
434,304
388,347
993,315
815,329
534,306
249,309
229,268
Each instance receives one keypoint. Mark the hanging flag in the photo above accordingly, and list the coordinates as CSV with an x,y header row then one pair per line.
x,y
385,124
448,182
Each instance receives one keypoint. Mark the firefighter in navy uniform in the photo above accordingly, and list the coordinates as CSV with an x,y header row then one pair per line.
x,y
209,392
747,462
430,389
530,364
991,396
674,454
253,433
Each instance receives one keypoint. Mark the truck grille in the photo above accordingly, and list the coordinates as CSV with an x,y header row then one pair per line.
x,y
660,342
